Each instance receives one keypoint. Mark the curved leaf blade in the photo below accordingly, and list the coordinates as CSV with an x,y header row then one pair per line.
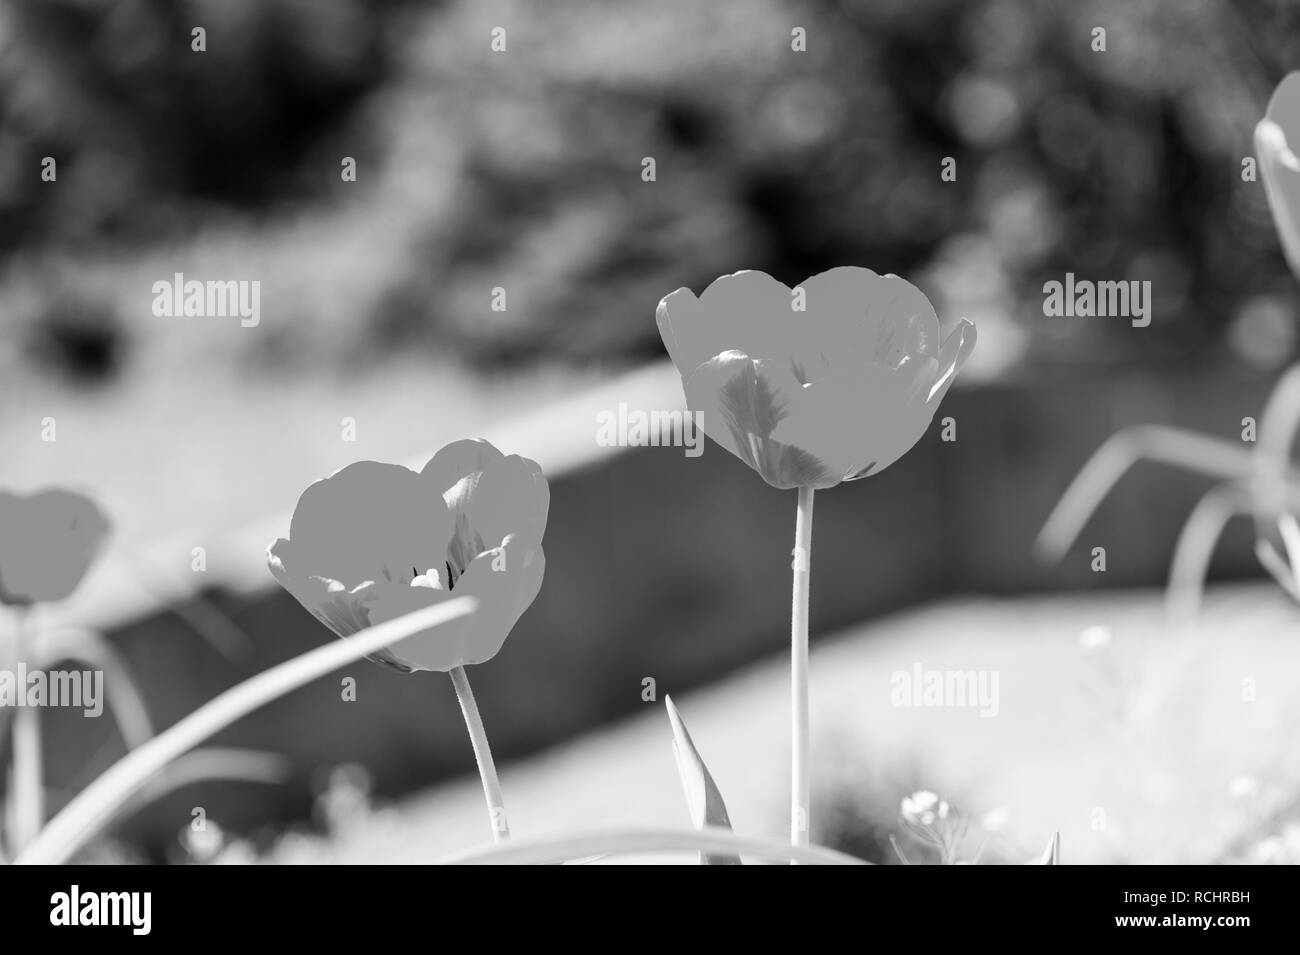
x,y
703,799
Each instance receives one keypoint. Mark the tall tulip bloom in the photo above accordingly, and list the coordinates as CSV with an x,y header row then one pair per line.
x,y
832,380
373,542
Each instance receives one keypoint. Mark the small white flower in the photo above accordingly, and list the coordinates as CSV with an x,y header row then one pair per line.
x,y
919,808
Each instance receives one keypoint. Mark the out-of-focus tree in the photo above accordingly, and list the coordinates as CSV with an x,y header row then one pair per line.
x,y
1122,163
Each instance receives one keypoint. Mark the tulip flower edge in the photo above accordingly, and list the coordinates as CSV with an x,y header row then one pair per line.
x,y
830,381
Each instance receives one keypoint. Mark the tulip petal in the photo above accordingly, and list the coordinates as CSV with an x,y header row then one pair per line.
x,y
497,496
505,580
854,316
439,649
824,418
459,460
748,311
1284,106
342,610
957,347
888,438
330,601
681,310
861,421
739,408
345,612
278,558
368,521
509,497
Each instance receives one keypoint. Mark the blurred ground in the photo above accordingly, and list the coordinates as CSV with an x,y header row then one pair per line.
x,y
1161,747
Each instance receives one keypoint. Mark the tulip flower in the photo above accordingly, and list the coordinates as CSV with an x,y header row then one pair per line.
x,y
833,380
376,541
48,541
1276,138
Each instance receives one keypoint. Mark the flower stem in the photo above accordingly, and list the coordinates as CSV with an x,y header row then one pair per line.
x,y
800,784
482,755
28,774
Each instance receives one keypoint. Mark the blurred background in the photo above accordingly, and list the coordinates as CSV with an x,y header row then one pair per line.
x,y
522,170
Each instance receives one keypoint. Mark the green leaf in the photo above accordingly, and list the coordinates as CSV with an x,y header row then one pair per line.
x,y
702,796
